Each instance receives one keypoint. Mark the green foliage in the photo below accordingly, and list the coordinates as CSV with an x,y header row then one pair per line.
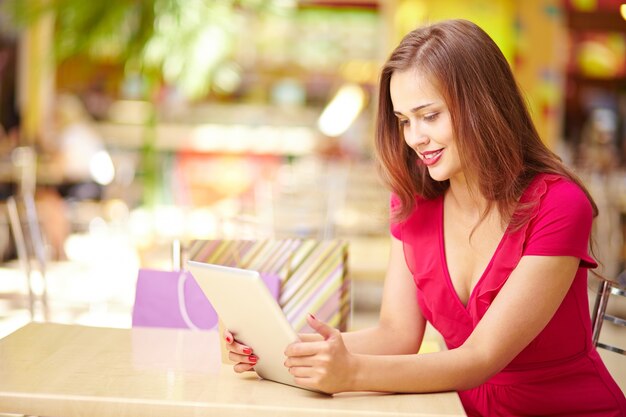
x,y
182,40
112,29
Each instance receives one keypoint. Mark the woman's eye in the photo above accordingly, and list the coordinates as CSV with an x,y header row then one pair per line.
x,y
403,123
430,117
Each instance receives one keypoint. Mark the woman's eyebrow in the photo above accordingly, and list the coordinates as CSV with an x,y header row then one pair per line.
x,y
414,109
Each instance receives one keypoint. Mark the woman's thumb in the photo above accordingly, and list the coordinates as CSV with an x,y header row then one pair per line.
x,y
320,327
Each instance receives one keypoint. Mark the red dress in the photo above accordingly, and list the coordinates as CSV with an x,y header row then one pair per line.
x,y
559,373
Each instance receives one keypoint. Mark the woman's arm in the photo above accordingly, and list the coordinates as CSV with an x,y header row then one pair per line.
x,y
401,325
508,326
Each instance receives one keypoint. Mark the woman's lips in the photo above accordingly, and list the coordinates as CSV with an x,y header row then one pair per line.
x,y
431,157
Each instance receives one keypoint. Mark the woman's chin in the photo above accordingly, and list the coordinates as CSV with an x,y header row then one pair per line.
x,y
438,176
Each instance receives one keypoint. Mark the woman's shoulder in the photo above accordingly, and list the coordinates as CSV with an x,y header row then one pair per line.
x,y
560,196
419,202
558,189
423,213
561,221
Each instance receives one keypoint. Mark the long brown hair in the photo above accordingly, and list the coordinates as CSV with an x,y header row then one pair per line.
x,y
499,146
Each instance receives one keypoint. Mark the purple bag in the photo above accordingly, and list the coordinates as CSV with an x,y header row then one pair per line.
x,y
174,299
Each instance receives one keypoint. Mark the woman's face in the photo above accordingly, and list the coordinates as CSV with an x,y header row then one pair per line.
x,y
425,121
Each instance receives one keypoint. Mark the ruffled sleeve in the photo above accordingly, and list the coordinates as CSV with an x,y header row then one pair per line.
x,y
394,227
562,226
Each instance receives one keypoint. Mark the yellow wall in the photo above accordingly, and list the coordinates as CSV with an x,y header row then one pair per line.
x,y
495,17
540,68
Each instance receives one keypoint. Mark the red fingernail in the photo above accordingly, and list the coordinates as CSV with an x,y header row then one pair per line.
x,y
229,339
312,316
247,351
253,359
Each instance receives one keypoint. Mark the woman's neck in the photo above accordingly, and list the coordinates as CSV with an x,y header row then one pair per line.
x,y
466,196
470,207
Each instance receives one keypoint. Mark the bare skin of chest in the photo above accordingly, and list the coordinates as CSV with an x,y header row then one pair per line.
x,y
467,259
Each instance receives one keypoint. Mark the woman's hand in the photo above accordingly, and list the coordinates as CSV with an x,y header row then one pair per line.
x,y
240,354
322,363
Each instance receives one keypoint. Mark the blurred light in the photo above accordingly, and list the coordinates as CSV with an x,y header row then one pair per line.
x,y
97,226
262,139
101,168
141,224
622,11
604,120
134,86
194,81
597,59
116,210
77,250
202,224
584,5
342,110
227,78
36,281
288,92
169,221
296,140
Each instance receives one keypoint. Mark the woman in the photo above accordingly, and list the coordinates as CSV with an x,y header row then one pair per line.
x,y
490,245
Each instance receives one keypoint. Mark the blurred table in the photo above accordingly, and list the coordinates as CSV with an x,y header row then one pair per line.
x,y
70,370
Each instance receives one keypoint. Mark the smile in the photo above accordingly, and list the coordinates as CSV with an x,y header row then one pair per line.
x,y
432,157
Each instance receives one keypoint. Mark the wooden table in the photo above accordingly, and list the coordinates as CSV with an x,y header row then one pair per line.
x,y
69,370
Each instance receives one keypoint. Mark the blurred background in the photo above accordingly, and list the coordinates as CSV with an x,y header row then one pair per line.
x,y
134,124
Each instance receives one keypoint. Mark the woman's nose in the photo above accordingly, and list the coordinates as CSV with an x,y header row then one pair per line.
x,y
415,138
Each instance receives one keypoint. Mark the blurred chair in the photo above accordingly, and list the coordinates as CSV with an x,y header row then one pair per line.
x,y
608,290
24,160
24,222
29,244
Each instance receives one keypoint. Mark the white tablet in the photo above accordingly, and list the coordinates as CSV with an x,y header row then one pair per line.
x,y
248,310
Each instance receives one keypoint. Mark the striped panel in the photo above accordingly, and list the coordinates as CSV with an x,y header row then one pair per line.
x,y
314,274
316,258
